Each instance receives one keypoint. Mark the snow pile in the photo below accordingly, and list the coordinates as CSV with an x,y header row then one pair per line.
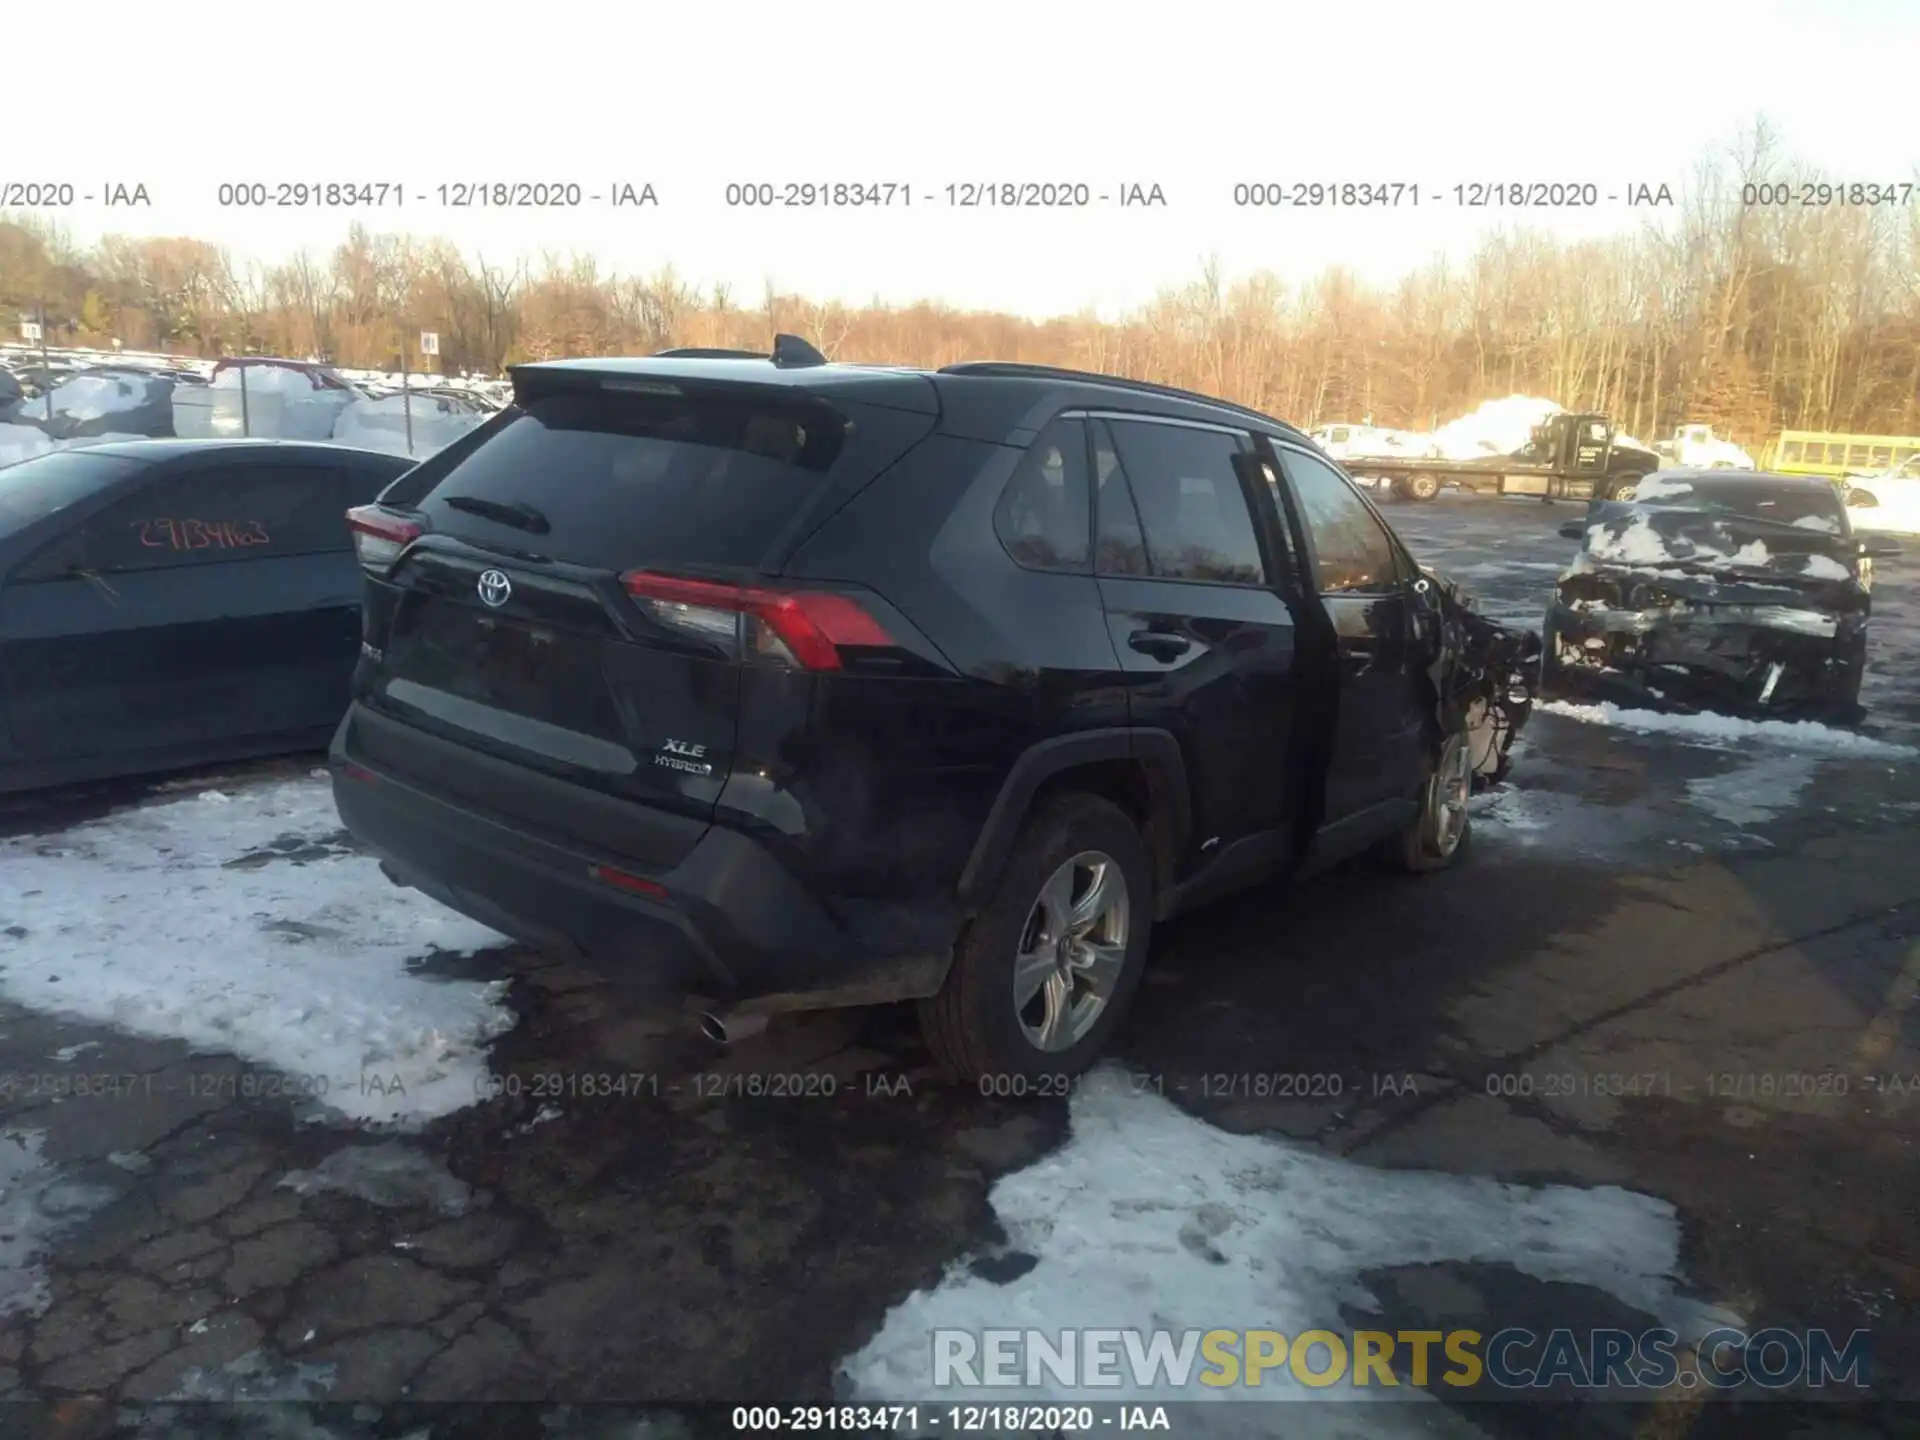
x,y
1825,524
1499,427
1150,1219
1710,729
1825,567
281,402
381,424
241,925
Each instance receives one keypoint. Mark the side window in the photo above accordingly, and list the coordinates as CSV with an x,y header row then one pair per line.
x,y
1121,547
1192,511
1042,517
227,511
1351,551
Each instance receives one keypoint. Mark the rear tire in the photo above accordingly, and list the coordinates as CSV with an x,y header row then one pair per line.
x,y
1421,486
978,1026
1862,500
1440,833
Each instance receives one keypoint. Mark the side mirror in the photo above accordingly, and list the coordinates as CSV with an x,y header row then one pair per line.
x,y
1879,548
1574,530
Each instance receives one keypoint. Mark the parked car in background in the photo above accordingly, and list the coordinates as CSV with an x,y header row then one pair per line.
x,y
1344,442
118,400
1716,589
169,602
1696,447
1888,500
784,684
415,423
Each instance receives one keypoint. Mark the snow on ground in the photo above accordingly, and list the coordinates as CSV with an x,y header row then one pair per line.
x,y
390,1175
1753,793
37,1206
1713,729
1148,1218
294,958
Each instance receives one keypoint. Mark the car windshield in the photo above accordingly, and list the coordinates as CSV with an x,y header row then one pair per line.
x,y
1807,507
48,484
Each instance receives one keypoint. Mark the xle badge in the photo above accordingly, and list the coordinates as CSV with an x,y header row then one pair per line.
x,y
679,755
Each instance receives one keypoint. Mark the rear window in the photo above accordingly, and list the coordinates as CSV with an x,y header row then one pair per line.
x,y
48,484
623,480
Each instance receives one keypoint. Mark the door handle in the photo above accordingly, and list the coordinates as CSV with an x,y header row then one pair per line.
x,y
1159,644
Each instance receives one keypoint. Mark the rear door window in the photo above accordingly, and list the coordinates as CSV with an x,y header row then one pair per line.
x,y
214,513
37,489
615,480
1193,513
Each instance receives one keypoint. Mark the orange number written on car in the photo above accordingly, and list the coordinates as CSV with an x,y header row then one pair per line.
x,y
165,534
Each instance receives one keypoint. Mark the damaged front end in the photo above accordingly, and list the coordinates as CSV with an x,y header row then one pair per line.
x,y
1734,644
1485,677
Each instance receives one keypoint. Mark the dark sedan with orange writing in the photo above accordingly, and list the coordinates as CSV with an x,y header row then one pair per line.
x,y
170,603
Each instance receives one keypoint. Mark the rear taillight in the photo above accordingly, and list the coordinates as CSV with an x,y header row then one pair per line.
x,y
803,628
379,537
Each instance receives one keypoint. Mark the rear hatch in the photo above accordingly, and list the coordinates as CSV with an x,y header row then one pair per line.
x,y
578,587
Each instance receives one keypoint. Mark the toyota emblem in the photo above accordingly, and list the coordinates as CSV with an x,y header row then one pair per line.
x,y
494,588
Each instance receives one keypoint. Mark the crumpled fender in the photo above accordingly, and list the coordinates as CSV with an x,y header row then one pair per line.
x,y
1485,678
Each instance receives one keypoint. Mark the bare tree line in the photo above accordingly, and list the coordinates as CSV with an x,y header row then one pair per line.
x,y
1752,318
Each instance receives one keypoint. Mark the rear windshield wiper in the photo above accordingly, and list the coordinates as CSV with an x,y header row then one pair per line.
x,y
516,513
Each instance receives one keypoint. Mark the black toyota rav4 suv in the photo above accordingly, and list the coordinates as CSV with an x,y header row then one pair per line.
x,y
787,684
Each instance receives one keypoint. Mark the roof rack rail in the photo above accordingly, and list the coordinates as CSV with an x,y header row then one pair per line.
x,y
1015,369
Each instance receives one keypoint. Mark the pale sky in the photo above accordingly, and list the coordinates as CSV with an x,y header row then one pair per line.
x,y
1192,97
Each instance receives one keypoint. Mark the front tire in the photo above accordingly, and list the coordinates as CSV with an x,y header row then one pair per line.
x,y
1045,972
1438,835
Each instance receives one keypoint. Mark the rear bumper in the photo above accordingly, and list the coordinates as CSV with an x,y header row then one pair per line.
x,y
728,924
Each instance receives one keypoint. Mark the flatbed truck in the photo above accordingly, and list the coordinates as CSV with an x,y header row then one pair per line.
x,y
1568,457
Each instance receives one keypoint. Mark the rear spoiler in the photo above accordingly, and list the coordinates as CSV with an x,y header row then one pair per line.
x,y
795,373
789,352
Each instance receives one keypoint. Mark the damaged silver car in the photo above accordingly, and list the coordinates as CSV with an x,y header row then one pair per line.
x,y
1724,590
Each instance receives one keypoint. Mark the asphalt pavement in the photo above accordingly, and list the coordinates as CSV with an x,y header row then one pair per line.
x,y
1674,965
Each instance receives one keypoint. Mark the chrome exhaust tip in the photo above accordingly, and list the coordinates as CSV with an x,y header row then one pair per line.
x,y
730,1030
